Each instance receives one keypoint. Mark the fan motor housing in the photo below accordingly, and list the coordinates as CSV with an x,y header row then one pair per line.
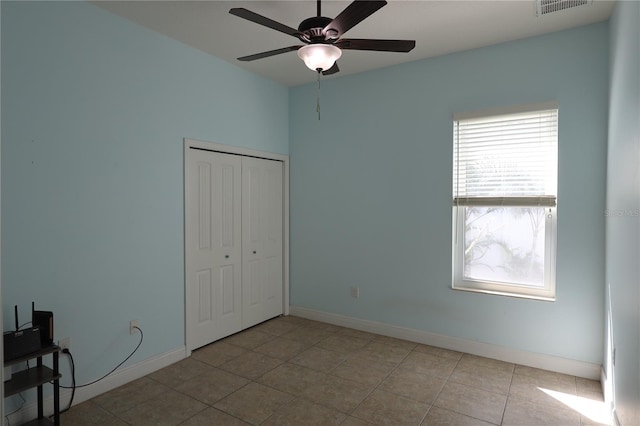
x,y
313,28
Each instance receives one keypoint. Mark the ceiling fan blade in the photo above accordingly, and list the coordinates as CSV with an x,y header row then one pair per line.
x,y
334,69
355,13
377,45
268,53
262,20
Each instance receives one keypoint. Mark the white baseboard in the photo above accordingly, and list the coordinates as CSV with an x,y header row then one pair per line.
x,y
118,378
531,359
608,397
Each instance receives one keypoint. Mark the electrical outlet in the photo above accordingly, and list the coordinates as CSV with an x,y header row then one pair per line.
x,y
355,292
65,343
132,326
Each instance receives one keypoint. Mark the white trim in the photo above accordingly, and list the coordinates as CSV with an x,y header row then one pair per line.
x,y
516,356
608,400
515,109
616,420
117,379
228,149
285,242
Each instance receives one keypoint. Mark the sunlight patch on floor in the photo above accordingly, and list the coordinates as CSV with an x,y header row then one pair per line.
x,y
594,410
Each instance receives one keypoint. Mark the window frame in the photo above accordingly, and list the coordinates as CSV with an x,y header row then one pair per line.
x,y
459,282
548,292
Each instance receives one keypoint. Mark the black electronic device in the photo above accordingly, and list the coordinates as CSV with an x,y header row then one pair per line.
x,y
21,342
44,321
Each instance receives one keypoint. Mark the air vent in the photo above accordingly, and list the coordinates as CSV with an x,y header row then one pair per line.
x,y
544,7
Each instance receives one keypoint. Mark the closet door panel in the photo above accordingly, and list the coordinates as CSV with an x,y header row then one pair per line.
x,y
262,205
213,252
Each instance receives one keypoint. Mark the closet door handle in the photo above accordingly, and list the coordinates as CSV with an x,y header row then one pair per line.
x,y
226,256
254,252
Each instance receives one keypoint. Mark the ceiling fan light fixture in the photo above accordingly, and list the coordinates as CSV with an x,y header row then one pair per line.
x,y
319,56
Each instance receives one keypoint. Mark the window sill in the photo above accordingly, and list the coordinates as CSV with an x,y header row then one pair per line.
x,y
504,293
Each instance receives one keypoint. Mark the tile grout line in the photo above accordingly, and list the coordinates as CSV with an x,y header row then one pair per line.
x,y
504,410
378,385
439,392
443,386
294,397
328,373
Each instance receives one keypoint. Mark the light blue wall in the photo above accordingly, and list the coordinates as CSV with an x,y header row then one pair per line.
x,y
623,206
94,111
371,192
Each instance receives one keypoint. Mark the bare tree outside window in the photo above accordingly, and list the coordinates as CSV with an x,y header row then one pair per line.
x,y
505,244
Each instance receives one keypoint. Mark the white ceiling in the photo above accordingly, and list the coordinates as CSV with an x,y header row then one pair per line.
x,y
438,26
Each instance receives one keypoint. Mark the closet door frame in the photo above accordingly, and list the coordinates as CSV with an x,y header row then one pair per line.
x,y
228,149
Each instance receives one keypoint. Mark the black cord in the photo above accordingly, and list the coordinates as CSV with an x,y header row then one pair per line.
x,y
6,416
114,369
73,386
73,380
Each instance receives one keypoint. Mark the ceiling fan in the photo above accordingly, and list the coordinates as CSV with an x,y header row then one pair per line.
x,y
321,36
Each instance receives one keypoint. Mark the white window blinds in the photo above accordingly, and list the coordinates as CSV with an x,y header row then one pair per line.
x,y
506,159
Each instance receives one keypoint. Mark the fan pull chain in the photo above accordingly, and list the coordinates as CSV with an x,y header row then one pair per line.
x,y
318,95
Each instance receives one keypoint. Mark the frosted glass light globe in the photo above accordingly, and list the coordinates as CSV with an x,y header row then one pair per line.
x,y
319,56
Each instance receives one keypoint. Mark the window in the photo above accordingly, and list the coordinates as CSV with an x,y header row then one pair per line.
x,y
504,201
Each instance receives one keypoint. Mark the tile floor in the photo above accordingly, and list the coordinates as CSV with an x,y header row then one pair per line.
x,y
293,371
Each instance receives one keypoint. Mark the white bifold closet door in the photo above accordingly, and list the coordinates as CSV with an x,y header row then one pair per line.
x,y
234,247
262,261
